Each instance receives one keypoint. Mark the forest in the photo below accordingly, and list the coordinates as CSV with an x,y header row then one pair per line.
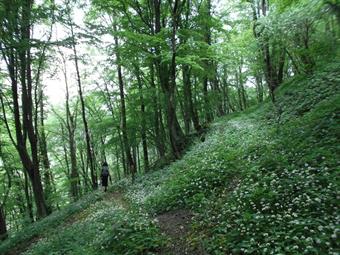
x,y
218,119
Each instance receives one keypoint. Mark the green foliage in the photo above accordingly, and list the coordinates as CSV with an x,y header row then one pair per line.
x,y
275,192
104,228
132,233
299,100
256,185
261,182
29,233
286,203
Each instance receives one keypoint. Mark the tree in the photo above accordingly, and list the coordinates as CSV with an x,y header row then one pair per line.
x,y
71,126
143,119
167,75
270,49
19,64
89,149
3,225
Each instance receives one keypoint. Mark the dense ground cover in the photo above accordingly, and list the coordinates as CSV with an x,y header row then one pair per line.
x,y
263,182
106,227
34,231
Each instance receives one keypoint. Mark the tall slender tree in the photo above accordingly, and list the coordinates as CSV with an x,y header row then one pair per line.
x,y
89,149
130,161
71,125
18,60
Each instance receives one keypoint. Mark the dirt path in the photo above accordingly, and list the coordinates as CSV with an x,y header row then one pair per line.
x,y
176,225
118,198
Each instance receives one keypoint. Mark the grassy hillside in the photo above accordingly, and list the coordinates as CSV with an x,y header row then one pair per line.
x,y
263,182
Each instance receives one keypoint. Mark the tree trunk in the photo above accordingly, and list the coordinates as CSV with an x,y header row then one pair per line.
x,y
218,94
74,169
90,154
207,38
259,88
188,102
177,138
186,111
103,152
226,94
242,89
159,138
189,106
71,127
207,108
44,155
273,74
111,108
131,164
18,60
29,207
281,66
84,170
239,96
117,163
27,105
143,122
167,78
185,115
3,227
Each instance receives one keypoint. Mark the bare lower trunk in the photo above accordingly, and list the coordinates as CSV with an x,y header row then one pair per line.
x,y
176,135
242,89
74,169
259,88
207,108
143,123
188,102
159,138
117,163
44,156
29,206
38,194
217,90
3,227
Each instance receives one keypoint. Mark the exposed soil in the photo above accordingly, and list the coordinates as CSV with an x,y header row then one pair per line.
x,y
176,225
118,198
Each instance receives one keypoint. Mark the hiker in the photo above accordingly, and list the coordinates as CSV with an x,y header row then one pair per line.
x,y
105,175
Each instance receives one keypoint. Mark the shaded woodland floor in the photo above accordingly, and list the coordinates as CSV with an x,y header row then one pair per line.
x,y
174,225
257,176
218,121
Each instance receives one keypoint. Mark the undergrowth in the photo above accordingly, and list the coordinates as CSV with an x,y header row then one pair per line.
x,y
263,182
26,235
109,229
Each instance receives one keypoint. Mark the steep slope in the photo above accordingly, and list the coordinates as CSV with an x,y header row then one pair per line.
x,y
263,182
